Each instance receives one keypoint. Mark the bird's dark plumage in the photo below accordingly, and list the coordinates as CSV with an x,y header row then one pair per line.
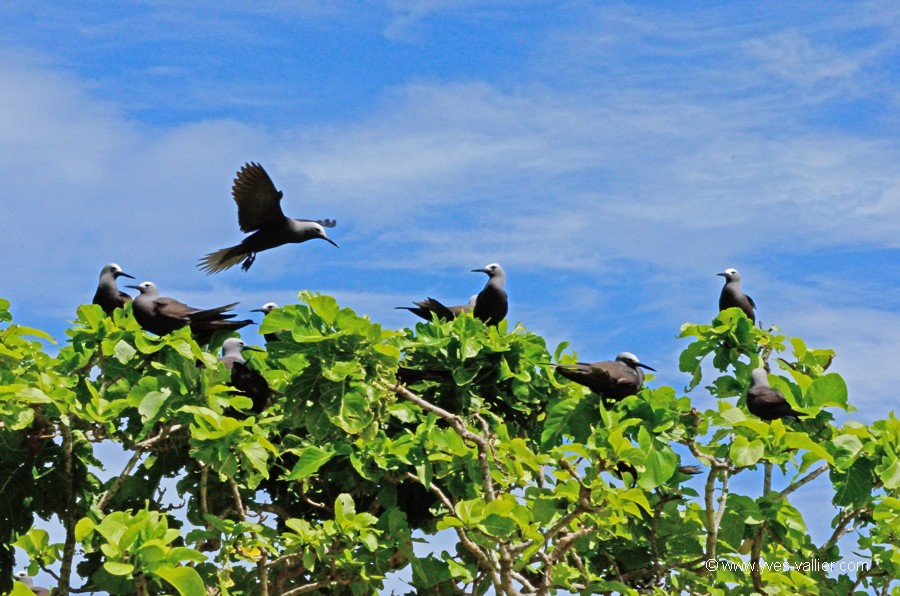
x,y
406,375
259,212
492,303
162,315
424,309
732,295
614,380
249,382
766,402
108,295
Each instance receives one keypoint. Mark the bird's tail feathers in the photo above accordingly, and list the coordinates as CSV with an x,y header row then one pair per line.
x,y
223,259
212,313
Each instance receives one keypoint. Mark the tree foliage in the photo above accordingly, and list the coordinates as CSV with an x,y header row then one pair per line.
x,y
545,487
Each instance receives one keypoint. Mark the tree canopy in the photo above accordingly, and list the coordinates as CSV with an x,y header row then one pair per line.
x,y
377,439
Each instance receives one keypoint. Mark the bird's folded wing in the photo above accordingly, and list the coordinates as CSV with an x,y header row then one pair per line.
x,y
171,308
258,201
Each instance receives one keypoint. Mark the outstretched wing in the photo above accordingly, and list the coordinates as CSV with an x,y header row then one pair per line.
x,y
325,223
258,201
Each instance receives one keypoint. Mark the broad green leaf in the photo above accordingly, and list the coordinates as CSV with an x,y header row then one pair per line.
x,y
310,459
184,579
745,453
116,568
827,390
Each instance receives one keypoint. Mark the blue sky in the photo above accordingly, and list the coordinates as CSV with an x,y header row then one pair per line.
x,y
612,157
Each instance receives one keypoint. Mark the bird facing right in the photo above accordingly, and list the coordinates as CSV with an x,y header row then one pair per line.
x,y
259,211
732,295
161,315
614,381
108,294
766,402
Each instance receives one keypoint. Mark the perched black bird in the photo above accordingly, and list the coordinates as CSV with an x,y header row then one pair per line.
x,y
243,378
108,295
732,295
424,308
405,375
259,211
161,315
266,309
491,303
614,380
764,401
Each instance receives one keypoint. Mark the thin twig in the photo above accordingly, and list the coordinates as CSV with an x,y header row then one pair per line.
x,y
756,548
803,481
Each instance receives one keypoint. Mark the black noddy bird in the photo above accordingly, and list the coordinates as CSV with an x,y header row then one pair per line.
x,y
492,303
614,380
266,309
108,294
247,381
161,315
259,211
766,402
732,295
424,308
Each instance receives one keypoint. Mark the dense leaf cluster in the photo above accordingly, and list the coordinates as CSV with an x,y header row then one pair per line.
x,y
545,486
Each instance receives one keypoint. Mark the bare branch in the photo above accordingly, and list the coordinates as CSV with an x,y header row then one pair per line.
x,y
126,472
803,481
756,548
71,488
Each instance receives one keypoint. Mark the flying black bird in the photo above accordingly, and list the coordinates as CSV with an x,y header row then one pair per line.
x,y
764,401
243,378
424,308
108,295
259,211
161,315
614,380
266,309
732,295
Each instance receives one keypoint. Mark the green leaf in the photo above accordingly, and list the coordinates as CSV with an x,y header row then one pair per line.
x,y
310,459
827,390
659,467
116,568
891,476
20,589
184,579
746,453
124,351
498,526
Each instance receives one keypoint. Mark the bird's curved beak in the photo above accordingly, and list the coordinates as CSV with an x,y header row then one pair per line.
x,y
330,241
479,271
134,287
642,365
722,274
123,274
257,310
252,349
